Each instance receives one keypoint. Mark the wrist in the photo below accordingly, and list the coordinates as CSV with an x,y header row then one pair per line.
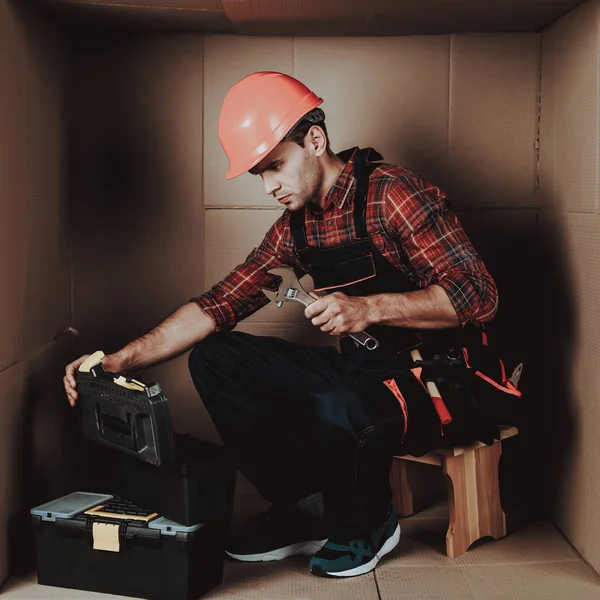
x,y
119,362
373,310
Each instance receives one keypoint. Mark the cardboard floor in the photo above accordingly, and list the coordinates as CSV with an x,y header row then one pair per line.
x,y
535,563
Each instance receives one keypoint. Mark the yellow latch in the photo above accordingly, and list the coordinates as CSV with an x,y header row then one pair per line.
x,y
130,384
106,537
91,361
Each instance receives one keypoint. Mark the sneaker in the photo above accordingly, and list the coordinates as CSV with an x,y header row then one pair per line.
x,y
343,557
276,534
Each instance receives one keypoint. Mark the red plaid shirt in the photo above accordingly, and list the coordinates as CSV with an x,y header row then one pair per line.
x,y
409,221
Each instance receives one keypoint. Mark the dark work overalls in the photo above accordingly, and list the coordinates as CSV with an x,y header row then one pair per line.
x,y
304,419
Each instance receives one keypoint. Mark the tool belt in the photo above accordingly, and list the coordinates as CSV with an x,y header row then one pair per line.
x,y
473,384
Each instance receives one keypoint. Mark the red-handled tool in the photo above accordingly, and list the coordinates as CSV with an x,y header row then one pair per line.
x,y
432,390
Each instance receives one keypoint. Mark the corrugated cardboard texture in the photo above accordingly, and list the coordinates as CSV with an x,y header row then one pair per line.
x,y
34,269
12,185
580,485
47,275
494,87
46,421
11,384
320,17
226,60
138,214
35,429
410,98
34,261
290,579
569,113
374,88
571,233
554,581
230,237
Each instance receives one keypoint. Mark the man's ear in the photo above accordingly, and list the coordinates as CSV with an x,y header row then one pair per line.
x,y
317,139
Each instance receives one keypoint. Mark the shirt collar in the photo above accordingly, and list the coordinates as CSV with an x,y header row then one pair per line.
x,y
339,191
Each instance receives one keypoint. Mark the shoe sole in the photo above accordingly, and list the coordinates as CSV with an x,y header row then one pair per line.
x,y
299,549
389,545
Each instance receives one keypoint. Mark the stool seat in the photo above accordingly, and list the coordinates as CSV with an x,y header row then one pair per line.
x,y
473,490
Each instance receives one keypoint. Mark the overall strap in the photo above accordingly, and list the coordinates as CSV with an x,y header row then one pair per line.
x,y
362,171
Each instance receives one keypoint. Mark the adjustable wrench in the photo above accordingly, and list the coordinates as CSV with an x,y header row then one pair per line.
x,y
290,290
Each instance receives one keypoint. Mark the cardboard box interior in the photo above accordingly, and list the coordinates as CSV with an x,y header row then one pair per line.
x,y
116,211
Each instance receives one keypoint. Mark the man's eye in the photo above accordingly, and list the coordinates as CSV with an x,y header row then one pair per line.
x,y
277,167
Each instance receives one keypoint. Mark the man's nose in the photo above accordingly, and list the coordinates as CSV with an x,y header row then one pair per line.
x,y
271,185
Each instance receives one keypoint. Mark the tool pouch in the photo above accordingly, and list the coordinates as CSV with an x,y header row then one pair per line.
x,y
473,383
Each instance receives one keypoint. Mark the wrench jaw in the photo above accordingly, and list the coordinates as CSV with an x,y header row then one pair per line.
x,y
289,295
273,297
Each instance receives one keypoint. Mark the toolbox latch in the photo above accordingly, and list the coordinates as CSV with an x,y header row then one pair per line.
x,y
105,536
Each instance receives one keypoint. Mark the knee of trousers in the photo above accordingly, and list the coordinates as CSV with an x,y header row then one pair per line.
x,y
349,413
208,354
338,412
204,352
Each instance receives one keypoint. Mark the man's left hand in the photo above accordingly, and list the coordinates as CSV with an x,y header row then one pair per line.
x,y
337,313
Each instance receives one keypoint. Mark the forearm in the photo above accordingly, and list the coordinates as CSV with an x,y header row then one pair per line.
x,y
178,333
429,308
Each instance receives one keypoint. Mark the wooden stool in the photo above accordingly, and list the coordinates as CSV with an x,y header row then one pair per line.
x,y
473,491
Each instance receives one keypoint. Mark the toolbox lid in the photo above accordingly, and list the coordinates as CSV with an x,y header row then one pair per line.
x,y
68,506
124,414
168,527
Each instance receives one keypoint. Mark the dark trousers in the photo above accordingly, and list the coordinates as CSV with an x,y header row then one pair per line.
x,y
306,419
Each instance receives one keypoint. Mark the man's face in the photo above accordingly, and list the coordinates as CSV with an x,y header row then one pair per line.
x,y
291,174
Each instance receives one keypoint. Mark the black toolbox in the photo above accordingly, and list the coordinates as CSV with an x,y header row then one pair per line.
x,y
183,478
101,543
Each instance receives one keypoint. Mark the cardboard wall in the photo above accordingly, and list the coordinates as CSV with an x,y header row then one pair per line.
x,y
137,203
571,244
35,275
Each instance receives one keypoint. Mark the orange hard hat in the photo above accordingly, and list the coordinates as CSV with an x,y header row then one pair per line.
x,y
257,113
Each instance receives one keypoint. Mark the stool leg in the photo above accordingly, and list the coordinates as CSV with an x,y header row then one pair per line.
x,y
403,500
474,498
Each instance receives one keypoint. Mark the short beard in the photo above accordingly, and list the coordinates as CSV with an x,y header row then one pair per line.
x,y
311,184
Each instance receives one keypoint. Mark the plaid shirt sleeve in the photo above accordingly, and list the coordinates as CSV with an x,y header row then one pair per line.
x,y
438,250
239,294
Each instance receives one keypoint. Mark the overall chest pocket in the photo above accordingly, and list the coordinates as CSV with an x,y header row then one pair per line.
x,y
340,266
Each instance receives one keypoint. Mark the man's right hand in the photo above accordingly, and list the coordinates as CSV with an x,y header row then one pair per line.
x,y
110,362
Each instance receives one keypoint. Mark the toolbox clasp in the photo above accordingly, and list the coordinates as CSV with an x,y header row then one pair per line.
x,y
105,536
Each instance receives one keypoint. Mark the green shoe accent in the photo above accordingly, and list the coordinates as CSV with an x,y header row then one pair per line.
x,y
341,557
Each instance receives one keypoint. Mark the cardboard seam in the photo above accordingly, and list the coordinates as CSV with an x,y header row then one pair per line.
x,y
119,6
23,188
450,88
203,190
539,124
489,564
45,345
235,207
204,207
67,125
553,202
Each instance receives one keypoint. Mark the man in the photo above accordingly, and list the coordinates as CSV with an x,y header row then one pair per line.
x,y
386,254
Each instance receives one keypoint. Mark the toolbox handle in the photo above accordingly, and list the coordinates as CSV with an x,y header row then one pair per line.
x,y
116,425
